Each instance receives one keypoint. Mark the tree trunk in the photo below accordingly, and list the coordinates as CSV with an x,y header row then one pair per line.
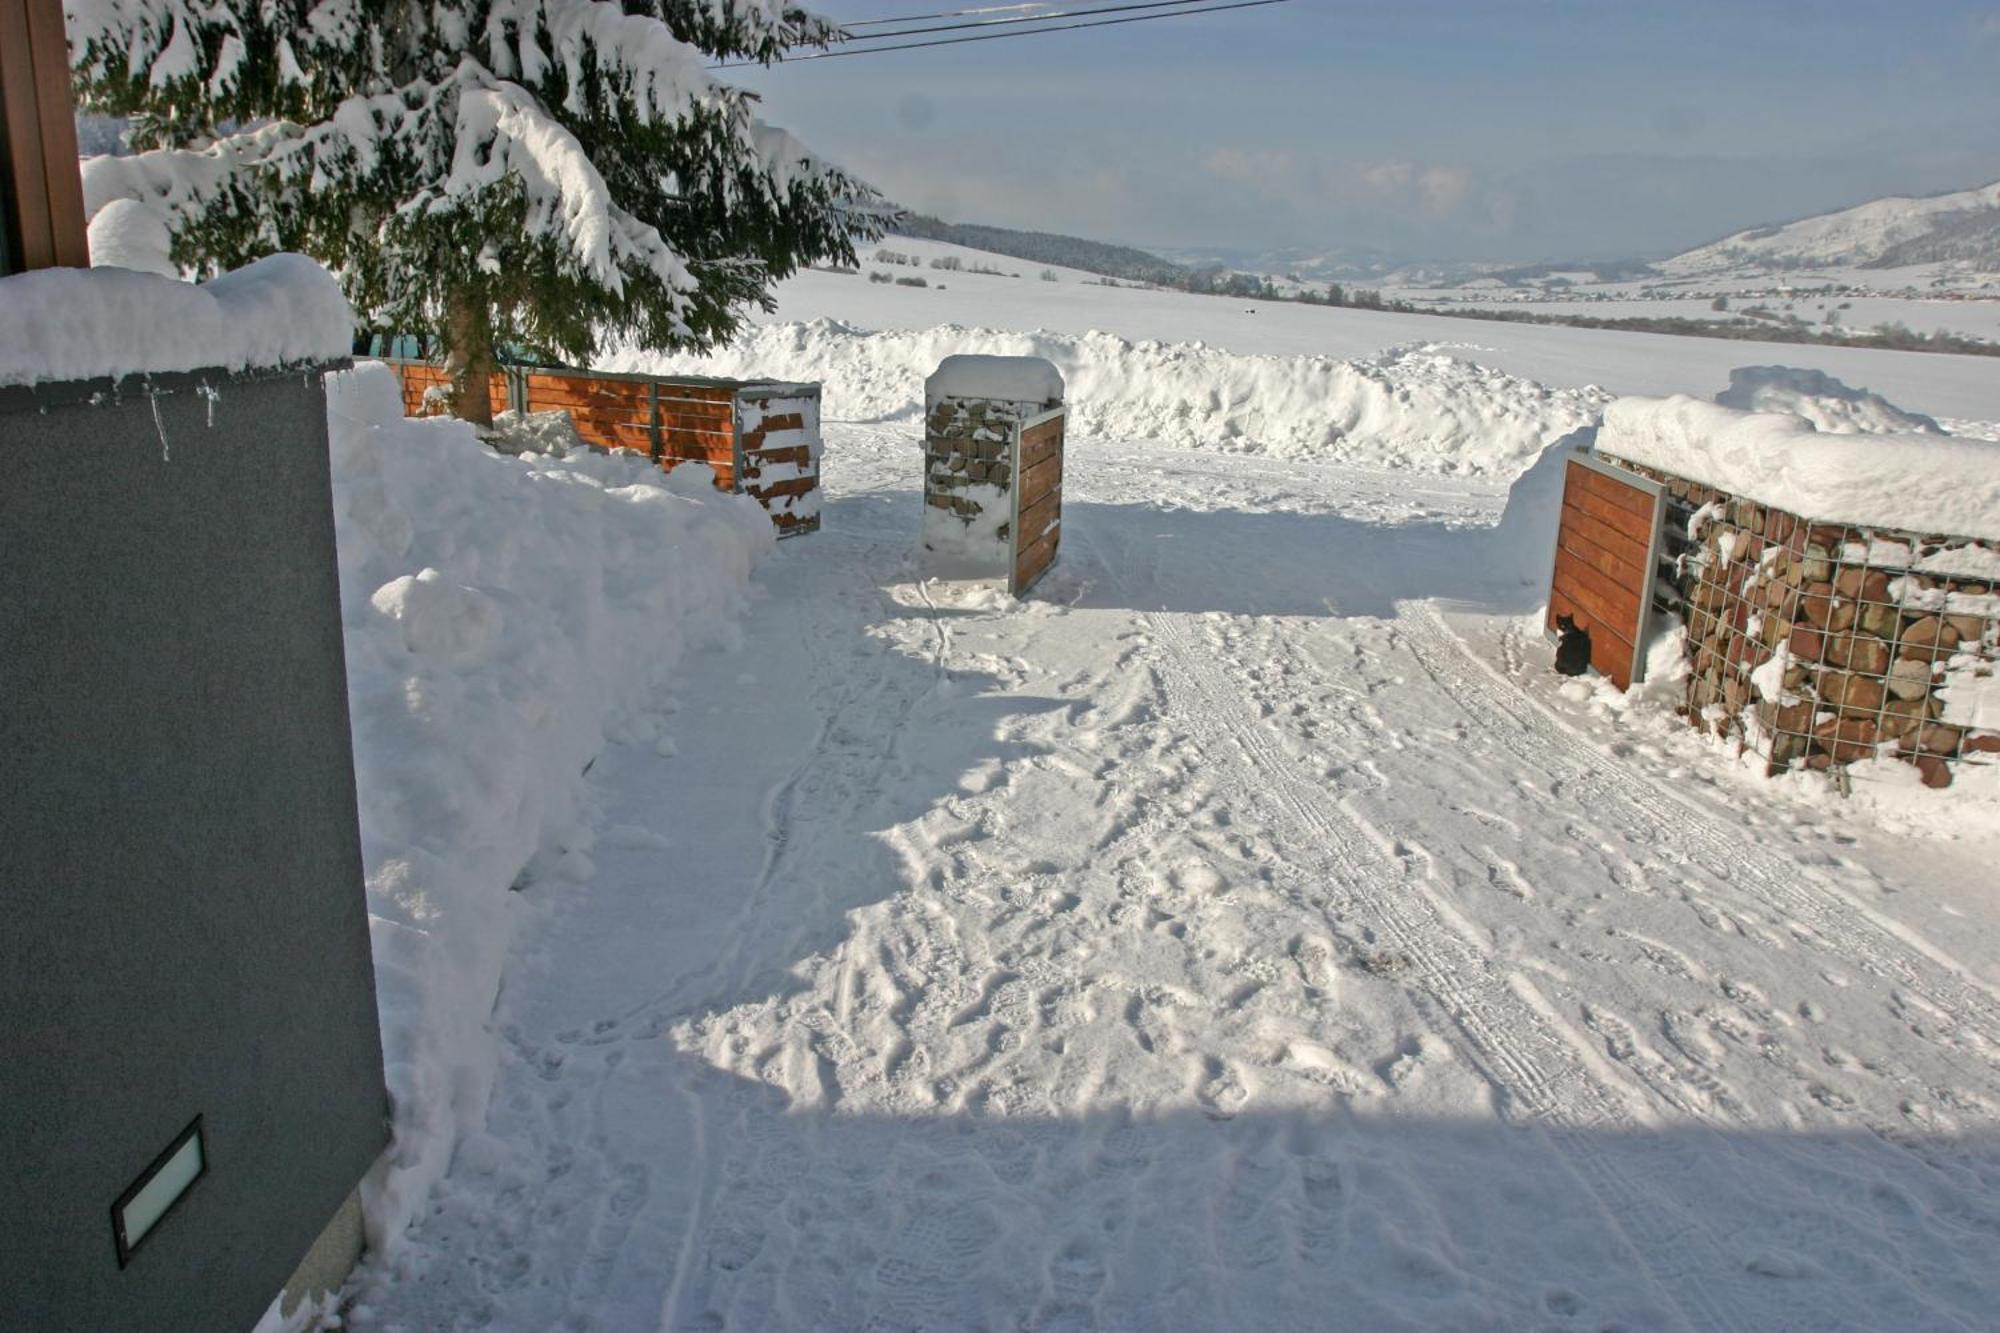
x,y
470,362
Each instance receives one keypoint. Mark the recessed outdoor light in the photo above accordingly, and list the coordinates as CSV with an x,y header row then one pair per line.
x,y
161,1186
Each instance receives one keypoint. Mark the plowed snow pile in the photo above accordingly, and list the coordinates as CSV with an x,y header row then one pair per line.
x,y
1409,407
1822,400
503,615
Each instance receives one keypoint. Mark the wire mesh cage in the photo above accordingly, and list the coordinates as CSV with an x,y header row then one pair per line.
x,y
1818,645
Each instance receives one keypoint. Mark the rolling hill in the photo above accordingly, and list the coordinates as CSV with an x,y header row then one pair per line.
x,y
1883,233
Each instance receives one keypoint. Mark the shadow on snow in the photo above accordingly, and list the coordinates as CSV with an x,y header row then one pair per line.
x,y
624,1182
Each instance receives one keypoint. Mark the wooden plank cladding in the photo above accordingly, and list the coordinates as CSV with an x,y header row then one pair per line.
x,y
760,439
1611,552
1035,533
778,443
426,389
1607,544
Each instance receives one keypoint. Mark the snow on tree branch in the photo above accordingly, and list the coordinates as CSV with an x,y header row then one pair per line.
x,y
569,167
502,132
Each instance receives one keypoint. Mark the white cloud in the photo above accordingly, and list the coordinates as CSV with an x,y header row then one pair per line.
x,y
1442,191
1270,175
1436,192
1251,166
1387,180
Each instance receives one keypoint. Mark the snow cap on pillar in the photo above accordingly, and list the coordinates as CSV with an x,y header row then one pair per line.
x,y
1005,379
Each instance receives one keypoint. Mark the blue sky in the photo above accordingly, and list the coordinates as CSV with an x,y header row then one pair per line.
x,y
1506,130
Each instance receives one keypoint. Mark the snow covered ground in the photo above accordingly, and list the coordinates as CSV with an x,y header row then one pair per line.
x,y
1847,312
1246,931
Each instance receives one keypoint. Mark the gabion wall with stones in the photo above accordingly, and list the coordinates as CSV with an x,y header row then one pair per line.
x,y
1819,644
968,461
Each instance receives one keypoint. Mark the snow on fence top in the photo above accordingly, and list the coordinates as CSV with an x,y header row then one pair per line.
x,y
1915,482
80,324
1006,379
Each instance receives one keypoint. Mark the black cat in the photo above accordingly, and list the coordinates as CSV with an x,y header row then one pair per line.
x,y
1572,647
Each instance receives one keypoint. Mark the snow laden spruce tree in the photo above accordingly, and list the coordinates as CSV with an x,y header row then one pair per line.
x,y
483,174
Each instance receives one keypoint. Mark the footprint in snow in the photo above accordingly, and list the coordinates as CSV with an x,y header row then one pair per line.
x,y
1223,1094
1781,1264
1565,1304
1076,1271
1405,1068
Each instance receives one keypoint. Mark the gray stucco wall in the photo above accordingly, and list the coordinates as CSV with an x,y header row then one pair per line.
x,y
183,929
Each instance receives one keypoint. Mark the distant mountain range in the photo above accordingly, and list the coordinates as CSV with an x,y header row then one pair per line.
x,y
1339,263
1202,268
1883,233
1963,227
1044,247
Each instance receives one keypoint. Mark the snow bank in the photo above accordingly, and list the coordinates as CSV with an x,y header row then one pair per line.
x,y
1524,540
501,614
1412,407
78,324
551,433
1007,379
128,233
1917,482
1818,397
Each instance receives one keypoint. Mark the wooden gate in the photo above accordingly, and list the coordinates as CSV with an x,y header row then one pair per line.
x,y
1035,531
1607,549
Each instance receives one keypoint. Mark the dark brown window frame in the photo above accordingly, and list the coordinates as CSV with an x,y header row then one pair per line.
x,y
41,188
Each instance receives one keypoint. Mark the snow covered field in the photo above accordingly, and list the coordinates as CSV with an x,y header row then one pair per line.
x,y
1859,314
1247,931
1964,387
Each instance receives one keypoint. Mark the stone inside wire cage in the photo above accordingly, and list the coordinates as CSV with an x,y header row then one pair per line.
x,y
1820,644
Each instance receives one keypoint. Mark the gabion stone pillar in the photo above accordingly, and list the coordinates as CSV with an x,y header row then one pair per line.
x,y
973,408
1818,645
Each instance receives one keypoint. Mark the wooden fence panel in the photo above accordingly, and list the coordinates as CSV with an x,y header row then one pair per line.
x,y
425,388
1607,543
669,423
1035,533
761,439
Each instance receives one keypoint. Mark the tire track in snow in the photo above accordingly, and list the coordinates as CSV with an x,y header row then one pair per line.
x,y
1541,743
1512,1040
1930,987
1838,924
1271,683
1917,985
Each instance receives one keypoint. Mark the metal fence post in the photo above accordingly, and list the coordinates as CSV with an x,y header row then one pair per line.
x,y
653,419
736,439
1014,511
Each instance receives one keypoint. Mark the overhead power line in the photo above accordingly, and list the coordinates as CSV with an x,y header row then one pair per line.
x,y
945,14
1054,14
1028,32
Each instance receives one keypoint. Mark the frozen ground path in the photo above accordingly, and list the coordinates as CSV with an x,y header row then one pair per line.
x,y
1236,935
